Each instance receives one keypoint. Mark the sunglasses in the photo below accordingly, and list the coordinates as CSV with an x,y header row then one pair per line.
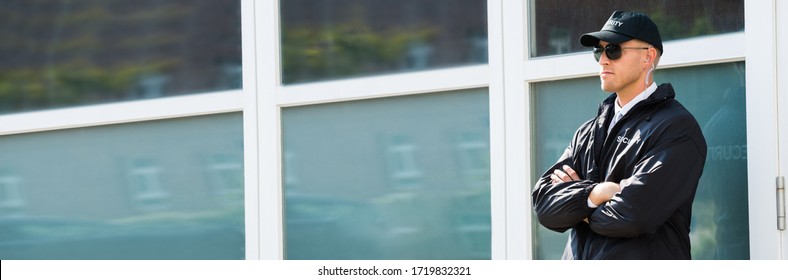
x,y
613,51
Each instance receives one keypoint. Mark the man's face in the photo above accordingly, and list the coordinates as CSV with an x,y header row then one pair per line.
x,y
622,75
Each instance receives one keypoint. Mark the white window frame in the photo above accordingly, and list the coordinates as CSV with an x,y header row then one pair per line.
x,y
122,112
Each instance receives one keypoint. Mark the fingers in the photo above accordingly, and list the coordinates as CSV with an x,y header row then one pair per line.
x,y
555,179
560,176
567,175
571,172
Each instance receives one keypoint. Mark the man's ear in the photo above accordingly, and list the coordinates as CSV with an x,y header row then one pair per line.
x,y
651,55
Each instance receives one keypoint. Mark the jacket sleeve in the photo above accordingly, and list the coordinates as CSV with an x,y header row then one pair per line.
x,y
559,207
664,180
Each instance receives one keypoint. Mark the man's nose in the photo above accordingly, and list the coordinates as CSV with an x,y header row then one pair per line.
x,y
603,60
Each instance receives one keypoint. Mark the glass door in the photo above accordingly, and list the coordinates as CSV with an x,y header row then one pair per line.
x,y
715,94
767,136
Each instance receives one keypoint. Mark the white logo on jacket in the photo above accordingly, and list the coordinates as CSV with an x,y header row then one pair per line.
x,y
634,140
626,140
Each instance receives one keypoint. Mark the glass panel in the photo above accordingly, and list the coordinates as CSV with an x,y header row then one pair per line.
x,y
715,96
331,39
155,190
66,53
393,178
551,134
556,28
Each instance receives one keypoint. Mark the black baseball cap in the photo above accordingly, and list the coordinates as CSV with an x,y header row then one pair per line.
x,y
624,26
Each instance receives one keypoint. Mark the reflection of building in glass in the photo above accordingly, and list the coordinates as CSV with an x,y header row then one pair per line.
x,y
401,155
12,201
392,178
225,173
473,154
290,175
137,191
145,184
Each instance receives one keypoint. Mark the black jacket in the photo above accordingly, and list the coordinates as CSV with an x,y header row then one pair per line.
x,y
656,152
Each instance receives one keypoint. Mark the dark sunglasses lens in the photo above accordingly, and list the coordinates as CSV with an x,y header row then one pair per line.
x,y
598,53
613,52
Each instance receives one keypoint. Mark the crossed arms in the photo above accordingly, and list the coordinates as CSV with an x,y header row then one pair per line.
x,y
654,188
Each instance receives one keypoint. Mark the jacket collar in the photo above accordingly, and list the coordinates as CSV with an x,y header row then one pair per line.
x,y
664,92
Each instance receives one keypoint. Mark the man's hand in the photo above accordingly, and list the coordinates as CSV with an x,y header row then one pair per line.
x,y
603,192
566,175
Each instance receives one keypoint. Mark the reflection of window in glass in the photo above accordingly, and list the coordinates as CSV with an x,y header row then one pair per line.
x,y
11,198
146,186
381,178
473,221
151,86
474,156
67,53
330,39
418,56
226,175
401,155
715,95
556,28
719,208
140,190
291,180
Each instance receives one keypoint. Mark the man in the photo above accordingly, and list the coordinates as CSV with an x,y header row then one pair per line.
x,y
626,183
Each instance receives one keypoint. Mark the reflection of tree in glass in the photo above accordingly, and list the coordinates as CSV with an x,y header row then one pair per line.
x,y
676,19
346,50
671,27
65,53
331,39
